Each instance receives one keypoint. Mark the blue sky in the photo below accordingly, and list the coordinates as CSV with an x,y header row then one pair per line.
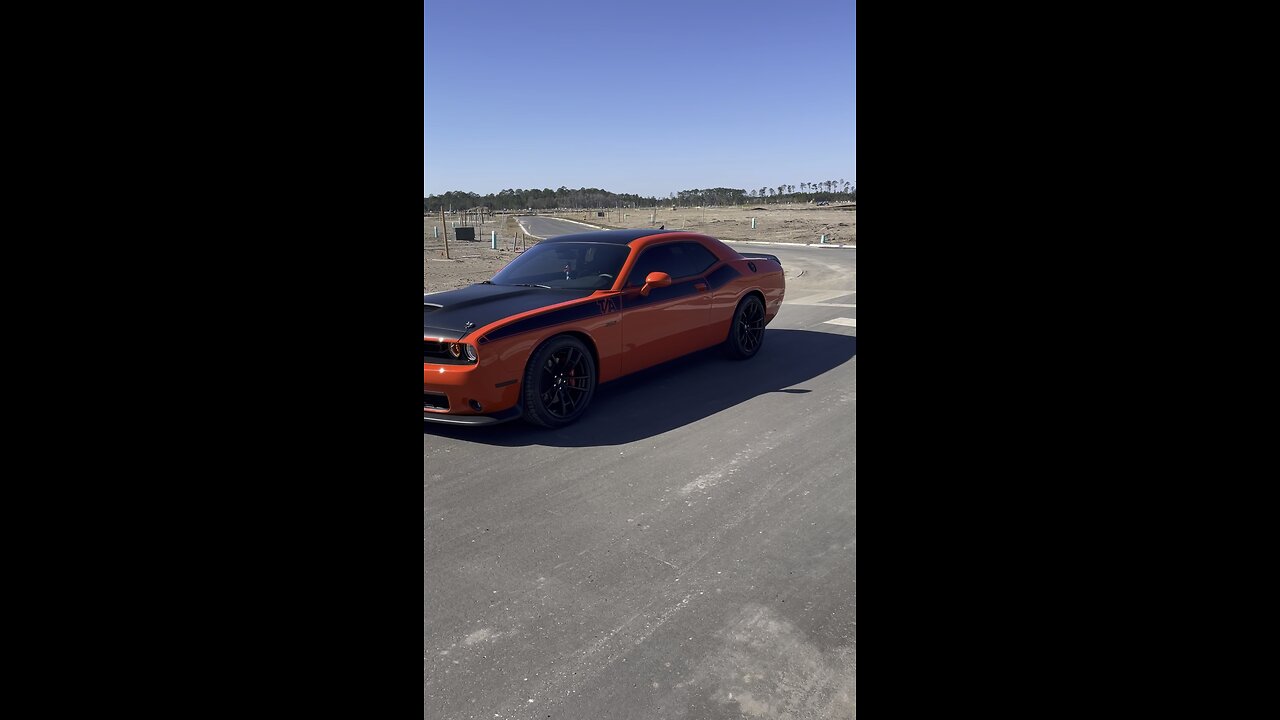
x,y
646,98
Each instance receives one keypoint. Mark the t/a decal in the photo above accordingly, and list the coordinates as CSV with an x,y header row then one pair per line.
x,y
608,305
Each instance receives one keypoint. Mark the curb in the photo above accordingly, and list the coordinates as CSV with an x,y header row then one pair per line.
x,y
794,245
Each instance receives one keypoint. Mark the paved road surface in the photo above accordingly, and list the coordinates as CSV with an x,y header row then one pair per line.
x,y
687,550
545,227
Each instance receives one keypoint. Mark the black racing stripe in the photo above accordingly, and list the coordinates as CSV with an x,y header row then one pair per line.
x,y
537,322
482,304
662,294
722,277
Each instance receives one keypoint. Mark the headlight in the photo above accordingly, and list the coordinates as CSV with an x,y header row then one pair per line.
x,y
458,349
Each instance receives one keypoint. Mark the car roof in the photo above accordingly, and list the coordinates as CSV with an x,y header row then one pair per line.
x,y
620,237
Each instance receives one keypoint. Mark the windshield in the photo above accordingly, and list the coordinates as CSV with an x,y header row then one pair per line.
x,y
586,266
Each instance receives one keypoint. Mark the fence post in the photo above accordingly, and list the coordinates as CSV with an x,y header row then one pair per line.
x,y
446,235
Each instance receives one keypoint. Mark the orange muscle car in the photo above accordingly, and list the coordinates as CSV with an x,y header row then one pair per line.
x,y
578,310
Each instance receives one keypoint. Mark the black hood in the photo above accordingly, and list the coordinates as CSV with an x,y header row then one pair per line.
x,y
454,313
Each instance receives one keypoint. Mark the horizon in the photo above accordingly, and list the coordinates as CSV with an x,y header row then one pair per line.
x,y
573,95
798,191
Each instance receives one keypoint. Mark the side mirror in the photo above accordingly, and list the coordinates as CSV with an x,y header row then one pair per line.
x,y
655,280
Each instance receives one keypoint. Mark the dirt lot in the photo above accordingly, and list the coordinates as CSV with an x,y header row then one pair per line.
x,y
471,262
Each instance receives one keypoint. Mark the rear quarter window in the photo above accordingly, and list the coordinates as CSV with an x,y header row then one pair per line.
x,y
679,260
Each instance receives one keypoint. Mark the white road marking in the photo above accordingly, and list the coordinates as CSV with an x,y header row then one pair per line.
x,y
817,298
849,322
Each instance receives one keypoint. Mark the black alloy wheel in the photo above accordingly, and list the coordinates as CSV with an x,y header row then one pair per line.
x,y
559,382
746,332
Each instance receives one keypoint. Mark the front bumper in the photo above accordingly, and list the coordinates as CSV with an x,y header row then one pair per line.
x,y
450,390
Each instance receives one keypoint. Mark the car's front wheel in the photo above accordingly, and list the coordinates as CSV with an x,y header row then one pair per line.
x,y
559,382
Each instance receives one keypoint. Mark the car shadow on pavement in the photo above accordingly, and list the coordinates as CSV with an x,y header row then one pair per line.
x,y
677,393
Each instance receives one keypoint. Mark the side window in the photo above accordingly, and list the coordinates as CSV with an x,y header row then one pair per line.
x,y
678,260
697,258
654,259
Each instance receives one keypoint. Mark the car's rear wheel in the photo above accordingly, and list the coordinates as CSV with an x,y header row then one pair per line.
x,y
559,382
746,331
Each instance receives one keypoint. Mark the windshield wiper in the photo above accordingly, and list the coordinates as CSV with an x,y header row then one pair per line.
x,y
531,285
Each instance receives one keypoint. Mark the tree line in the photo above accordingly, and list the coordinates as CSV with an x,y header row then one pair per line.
x,y
533,199
836,189
563,197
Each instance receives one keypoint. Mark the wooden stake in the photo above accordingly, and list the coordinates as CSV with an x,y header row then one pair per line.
x,y
446,235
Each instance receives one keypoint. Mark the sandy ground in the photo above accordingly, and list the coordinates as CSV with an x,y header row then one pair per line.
x,y
469,262
774,223
472,262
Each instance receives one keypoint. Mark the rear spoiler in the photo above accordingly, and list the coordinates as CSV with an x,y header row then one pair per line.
x,y
761,256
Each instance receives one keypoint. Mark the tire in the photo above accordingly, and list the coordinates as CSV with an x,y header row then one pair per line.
x,y
746,330
559,382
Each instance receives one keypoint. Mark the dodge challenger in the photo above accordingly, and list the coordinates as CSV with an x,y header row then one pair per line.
x,y
578,310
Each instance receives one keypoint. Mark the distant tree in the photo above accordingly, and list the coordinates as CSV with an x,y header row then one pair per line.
x,y
520,199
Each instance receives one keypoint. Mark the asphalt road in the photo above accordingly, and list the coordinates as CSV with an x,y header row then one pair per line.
x,y
545,227
686,550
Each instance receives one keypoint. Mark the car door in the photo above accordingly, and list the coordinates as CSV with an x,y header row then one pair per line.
x,y
671,321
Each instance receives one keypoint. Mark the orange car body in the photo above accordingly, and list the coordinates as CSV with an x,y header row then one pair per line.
x,y
626,330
